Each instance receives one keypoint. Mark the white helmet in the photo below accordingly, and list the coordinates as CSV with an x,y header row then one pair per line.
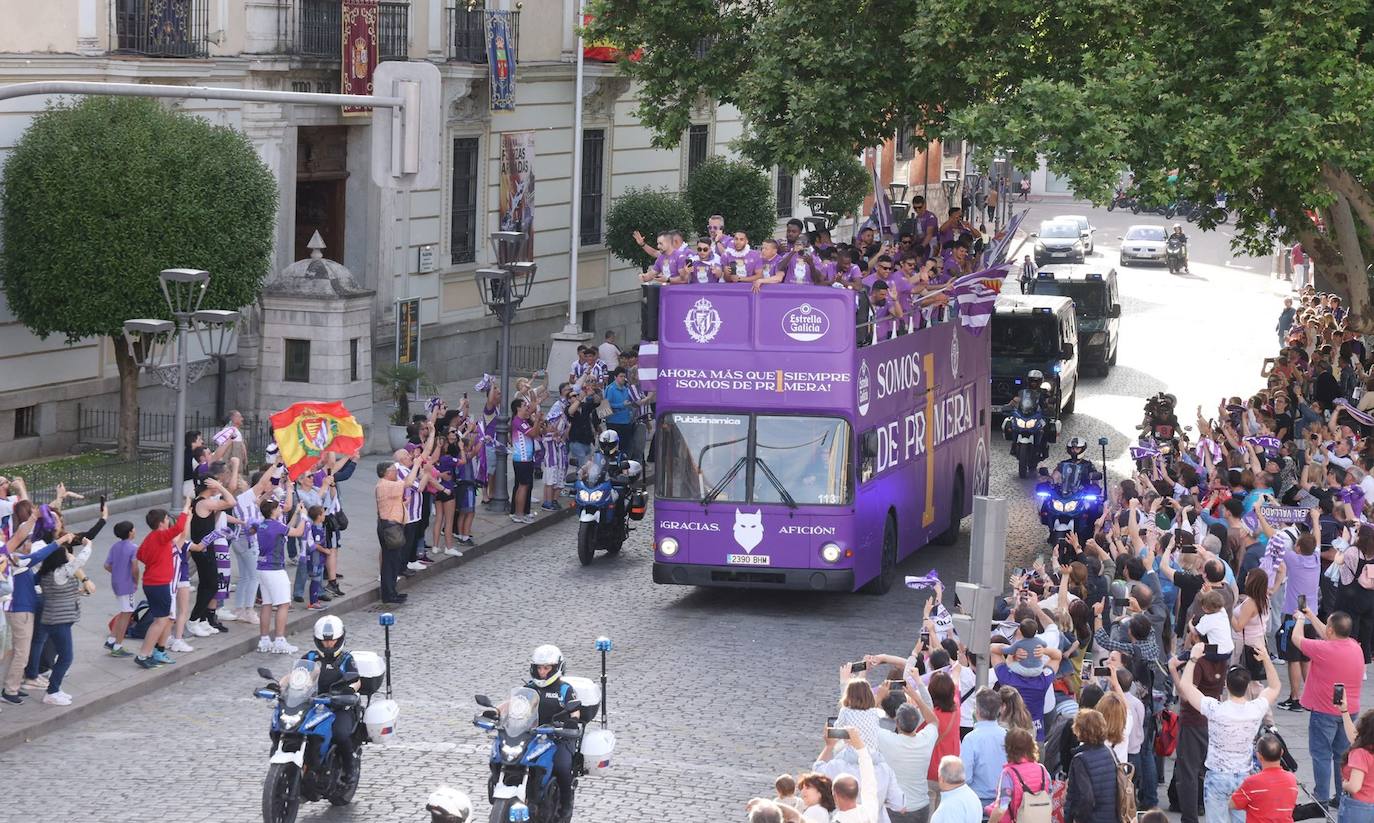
x,y
448,805
329,628
609,441
546,655
1035,376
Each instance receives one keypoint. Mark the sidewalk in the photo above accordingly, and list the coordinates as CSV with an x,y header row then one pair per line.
x,y
98,682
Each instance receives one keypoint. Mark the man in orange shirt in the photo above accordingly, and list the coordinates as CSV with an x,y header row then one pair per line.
x,y
1269,795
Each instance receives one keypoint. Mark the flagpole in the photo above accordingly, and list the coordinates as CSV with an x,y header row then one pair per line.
x,y
575,229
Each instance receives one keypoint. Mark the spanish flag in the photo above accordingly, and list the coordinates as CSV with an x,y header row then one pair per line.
x,y
305,431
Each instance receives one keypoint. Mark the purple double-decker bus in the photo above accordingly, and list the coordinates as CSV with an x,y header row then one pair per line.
x,y
789,456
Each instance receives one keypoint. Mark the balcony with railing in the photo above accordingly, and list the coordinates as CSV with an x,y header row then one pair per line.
x,y
314,28
160,28
467,34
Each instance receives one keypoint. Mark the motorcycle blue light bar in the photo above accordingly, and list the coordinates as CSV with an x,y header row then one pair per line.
x,y
1095,276
603,644
386,619
1042,310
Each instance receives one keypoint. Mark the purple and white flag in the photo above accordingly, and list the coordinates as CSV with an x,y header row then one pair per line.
x,y
648,365
1364,418
975,309
484,385
881,216
225,435
1268,443
1209,446
940,616
1143,452
432,403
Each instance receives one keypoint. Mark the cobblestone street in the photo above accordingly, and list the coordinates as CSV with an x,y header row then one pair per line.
x,y
712,693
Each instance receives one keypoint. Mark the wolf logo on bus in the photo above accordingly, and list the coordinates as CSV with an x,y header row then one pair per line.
x,y
703,321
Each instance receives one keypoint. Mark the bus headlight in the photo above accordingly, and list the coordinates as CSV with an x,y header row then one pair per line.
x,y
667,546
830,553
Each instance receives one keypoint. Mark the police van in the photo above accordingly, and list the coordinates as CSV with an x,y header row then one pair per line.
x,y
1034,332
1097,306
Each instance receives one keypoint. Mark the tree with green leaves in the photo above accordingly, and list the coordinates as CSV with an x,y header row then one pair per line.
x,y
647,211
845,181
101,195
1267,102
736,190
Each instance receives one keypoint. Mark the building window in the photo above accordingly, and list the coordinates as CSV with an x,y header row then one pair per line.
x,y
904,141
784,193
953,146
26,422
297,361
697,147
593,176
353,359
463,233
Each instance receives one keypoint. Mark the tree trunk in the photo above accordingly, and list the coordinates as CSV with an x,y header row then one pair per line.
x,y
1352,262
128,398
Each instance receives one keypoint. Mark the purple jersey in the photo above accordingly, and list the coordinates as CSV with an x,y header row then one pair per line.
x,y
121,569
271,545
766,268
702,271
742,259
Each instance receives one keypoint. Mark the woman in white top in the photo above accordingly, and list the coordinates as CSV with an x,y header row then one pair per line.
x,y
816,793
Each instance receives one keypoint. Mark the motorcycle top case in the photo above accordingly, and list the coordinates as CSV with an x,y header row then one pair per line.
x,y
589,693
380,719
371,670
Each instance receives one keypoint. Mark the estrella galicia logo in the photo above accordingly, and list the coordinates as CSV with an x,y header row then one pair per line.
x,y
702,321
863,388
805,323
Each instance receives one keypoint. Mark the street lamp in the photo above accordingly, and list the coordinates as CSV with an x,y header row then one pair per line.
x,y
951,184
896,192
219,336
503,289
163,347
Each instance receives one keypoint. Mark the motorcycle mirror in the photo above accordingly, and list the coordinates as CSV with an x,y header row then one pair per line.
x,y
266,673
483,700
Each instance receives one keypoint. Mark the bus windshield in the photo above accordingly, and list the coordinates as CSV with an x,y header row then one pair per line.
x,y
1034,336
794,460
1088,297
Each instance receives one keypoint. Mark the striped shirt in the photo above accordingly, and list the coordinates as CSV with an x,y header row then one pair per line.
x,y
248,513
598,369
414,499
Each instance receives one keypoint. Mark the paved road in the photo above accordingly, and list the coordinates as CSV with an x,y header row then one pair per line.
x,y
713,693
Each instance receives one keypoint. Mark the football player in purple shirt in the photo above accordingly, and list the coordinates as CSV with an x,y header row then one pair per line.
x,y
703,267
768,267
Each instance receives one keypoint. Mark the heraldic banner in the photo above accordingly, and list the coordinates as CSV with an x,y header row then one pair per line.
x,y
517,187
501,60
359,49
305,431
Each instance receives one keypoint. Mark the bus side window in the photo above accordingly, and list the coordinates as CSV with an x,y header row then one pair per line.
x,y
868,455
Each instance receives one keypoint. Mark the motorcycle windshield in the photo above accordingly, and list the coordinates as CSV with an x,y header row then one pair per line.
x,y
591,472
300,684
521,712
1025,403
1070,478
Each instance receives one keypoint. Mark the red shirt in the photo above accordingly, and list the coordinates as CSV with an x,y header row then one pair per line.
x,y
156,552
1268,796
948,741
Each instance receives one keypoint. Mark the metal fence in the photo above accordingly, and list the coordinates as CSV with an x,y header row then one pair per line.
x,y
99,476
526,359
312,27
393,30
157,430
160,28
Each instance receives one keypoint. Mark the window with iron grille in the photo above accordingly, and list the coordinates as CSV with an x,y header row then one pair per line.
x,y
904,141
353,360
26,422
463,217
783,193
697,146
296,368
593,184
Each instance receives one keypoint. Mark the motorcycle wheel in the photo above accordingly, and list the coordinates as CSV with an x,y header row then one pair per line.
x,y
1222,217
547,810
281,793
1169,212
500,810
1135,208
1111,204
586,542
1025,459
347,788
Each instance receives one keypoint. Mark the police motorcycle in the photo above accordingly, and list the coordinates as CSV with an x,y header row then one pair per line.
x,y
1026,425
523,784
307,762
1159,432
608,498
1070,500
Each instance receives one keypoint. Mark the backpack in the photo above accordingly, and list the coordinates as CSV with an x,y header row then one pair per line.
x,y
139,623
1166,734
1034,806
1054,744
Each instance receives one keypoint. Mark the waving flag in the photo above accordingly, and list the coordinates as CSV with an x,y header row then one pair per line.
x,y
1364,418
1144,452
881,216
1266,443
997,253
305,431
976,296
940,616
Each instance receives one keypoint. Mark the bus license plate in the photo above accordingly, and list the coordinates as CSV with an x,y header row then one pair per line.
x,y
747,559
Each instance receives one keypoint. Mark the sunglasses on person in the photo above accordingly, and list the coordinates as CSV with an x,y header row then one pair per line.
x,y
884,267
703,248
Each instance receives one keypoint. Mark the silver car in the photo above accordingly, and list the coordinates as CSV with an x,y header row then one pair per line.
x,y
1058,242
1085,228
1143,244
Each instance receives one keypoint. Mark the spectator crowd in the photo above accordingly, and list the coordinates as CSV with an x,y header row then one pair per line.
x,y
1138,668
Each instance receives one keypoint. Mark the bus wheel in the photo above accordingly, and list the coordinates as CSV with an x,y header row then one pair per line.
x,y
950,535
887,572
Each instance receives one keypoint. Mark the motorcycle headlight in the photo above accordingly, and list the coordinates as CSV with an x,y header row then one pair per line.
x,y
830,553
1059,505
595,496
1071,505
667,546
584,496
511,752
289,720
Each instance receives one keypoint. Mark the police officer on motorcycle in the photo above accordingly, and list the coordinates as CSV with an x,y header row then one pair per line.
x,y
546,679
1075,470
1037,390
335,666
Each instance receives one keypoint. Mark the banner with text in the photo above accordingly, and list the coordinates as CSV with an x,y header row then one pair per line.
x,y
359,50
517,187
501,60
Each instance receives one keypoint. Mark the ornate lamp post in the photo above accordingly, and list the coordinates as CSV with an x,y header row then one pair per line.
x,y
951,185
163,347
503,289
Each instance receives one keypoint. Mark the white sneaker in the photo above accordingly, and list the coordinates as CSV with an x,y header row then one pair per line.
x,y
200,628
529,518
515,518
280,646
58,698
265,644
453,551
417,566
226,614
179,645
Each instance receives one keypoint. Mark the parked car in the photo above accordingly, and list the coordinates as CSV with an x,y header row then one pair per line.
x,y
1143,243
1058,242
1086,229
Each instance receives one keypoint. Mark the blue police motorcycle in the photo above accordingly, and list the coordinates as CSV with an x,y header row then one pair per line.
x,y
607,500
1025,425
1070,504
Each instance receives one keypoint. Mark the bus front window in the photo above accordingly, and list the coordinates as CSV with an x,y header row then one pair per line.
x,y
698,452
802,461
